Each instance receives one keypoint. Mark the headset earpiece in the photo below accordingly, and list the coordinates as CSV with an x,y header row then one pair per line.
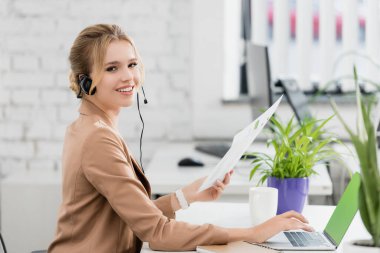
x,y
85,84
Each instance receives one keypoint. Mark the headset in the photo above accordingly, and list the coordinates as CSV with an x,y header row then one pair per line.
x,y
85,83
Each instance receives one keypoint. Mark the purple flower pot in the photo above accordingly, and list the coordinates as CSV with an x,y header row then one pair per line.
x,y
292,193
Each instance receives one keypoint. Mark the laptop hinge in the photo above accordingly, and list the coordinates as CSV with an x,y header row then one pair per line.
x,y
332,241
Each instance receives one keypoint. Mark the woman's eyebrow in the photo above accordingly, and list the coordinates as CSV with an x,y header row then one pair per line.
x,y
112,63
117,62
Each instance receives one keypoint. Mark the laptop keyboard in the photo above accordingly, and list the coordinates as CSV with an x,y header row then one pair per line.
x,y
304,239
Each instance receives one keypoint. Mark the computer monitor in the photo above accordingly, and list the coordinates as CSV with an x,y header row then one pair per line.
x,y
260,88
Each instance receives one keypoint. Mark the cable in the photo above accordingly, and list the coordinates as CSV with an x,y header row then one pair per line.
x,y
354,53
338,79
2,243
142,132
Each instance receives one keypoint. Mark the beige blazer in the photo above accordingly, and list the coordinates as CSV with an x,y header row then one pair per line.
x,y
106,205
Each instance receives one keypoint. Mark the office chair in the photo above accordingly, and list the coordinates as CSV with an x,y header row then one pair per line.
x,y
4,249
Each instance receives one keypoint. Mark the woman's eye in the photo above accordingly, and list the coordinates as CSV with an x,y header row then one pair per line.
x,y
132,65
111,69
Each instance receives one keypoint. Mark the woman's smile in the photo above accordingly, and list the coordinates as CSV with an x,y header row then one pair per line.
x,y
126,90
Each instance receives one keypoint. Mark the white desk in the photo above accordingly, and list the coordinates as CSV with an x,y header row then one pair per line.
x,y
237,215
165,176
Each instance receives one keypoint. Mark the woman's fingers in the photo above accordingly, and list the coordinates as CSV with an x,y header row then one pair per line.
x,y
308,228
294,214
287,221
219,191
219,184
296,224
296,221
218,188
227,177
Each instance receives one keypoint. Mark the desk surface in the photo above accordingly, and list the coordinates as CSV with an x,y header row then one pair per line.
x,y
237,215
165,176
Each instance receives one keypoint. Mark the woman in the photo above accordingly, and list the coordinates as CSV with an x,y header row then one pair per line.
x,y
106,203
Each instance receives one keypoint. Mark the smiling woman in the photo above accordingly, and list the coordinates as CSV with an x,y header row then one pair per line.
x,y
106,60
119,79
106,204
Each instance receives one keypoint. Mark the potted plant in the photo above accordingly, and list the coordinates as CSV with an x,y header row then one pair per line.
x,y
364,141
298,149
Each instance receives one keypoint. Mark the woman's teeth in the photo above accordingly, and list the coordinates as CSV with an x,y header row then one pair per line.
x,y
125,89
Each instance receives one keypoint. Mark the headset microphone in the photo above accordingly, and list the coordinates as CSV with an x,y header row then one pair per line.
x,y
145,100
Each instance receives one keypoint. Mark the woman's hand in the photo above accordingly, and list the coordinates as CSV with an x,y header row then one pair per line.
x,y
214,192
287,221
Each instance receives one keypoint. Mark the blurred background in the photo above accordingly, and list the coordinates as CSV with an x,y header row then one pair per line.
x,y
197,80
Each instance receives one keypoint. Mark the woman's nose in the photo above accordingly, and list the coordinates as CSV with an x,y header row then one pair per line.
x,y
127,74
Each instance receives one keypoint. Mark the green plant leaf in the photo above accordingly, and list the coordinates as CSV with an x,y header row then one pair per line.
x,y
365,143
253,171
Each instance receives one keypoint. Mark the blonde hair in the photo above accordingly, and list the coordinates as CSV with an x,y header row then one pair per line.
x,y
89,49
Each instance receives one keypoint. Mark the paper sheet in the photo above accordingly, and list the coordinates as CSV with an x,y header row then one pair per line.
x,y
240,144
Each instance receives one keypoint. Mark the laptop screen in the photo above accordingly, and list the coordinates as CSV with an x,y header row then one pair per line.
x,y
345,211
297,99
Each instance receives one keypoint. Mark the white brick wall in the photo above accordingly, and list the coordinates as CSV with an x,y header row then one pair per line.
x,y
16,79
11,131
42,164
36,104
1,114
25,63
17,149
5,62
10,165
5,97
22,96
56,63
48,149
38,130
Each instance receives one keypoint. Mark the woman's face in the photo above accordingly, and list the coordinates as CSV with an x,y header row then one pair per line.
x,y
120,77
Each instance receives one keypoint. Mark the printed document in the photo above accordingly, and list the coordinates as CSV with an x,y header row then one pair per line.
x,y
241,142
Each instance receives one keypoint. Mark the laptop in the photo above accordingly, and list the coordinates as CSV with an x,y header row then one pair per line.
x,y
334,231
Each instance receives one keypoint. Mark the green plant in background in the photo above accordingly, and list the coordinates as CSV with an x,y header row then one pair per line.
x,y
298,148
364,141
